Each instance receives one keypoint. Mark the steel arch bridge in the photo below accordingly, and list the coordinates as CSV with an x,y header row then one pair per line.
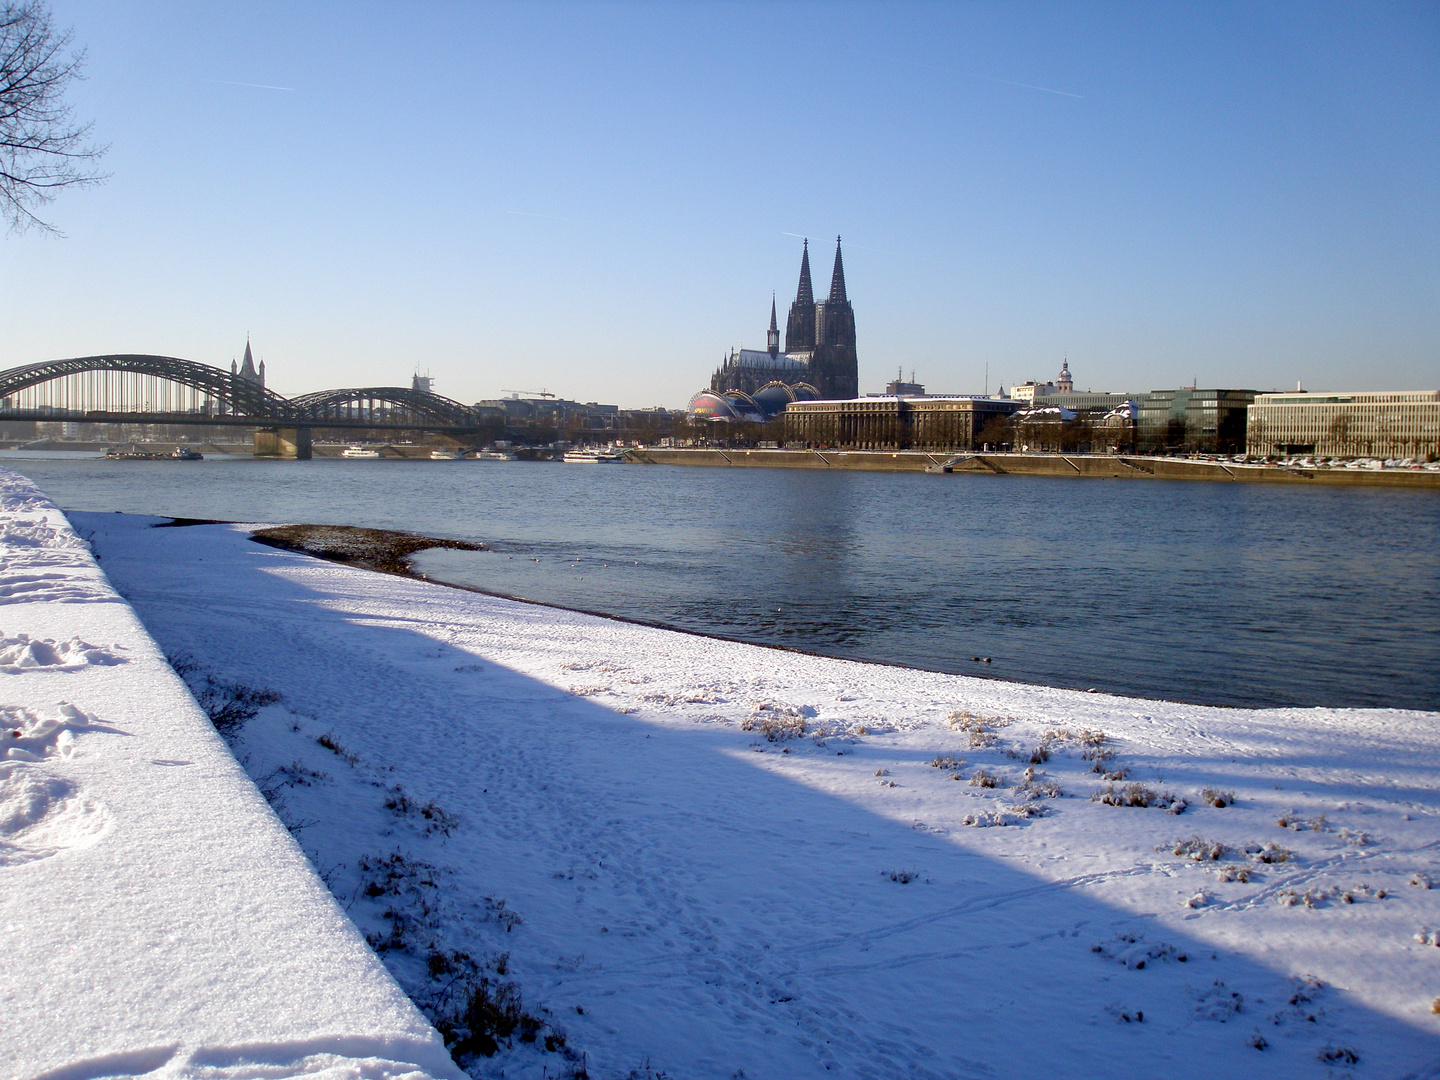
x,y
380,405
99,384
139,388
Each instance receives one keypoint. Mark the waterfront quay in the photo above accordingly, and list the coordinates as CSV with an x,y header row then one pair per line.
x,y
1100,466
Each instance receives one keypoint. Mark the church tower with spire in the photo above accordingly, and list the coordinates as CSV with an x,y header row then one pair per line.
x,y
800,327
247,367
834,364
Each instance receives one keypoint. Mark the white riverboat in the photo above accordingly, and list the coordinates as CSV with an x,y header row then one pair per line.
x,y
593,457
358,451
442,454
494,455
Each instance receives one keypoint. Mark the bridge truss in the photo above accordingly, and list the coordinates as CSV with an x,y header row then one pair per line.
x,y
137,388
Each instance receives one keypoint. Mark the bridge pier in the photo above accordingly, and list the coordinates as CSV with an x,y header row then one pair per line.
x,y
285,443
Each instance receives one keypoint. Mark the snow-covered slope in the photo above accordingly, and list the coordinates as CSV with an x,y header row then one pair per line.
x,y
653,852
155,917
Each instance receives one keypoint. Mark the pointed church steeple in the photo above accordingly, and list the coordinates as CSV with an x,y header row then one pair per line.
x,y
837,279
833,364
805,294
247,366
772,339
800,327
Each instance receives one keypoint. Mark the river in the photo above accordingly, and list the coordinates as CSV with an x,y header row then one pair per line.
x,y
1225,594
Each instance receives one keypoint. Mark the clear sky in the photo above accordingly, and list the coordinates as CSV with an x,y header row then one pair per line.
x,y
598,199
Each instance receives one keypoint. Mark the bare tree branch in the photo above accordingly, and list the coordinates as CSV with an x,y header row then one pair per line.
x,y
42,149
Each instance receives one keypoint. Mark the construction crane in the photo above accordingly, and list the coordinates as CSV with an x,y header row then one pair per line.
x,y
542,392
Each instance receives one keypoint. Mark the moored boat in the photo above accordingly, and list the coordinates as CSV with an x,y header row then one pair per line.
x,y
358,451
593,457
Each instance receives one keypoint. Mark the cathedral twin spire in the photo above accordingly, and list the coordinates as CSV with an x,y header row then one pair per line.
x,y
807,317
837,278
823,334
805,294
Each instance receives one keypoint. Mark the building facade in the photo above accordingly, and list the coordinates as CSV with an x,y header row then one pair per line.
x,y
1088,402
1402,423
1189,419
941,424
819,344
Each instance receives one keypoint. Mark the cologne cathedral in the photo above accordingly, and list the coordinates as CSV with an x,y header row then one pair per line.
x,y
819,360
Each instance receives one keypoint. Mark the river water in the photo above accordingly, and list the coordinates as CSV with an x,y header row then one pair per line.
x,y
1227,594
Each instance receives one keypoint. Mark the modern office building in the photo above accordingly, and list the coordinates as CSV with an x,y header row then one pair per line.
x,y
1190,419
1399,423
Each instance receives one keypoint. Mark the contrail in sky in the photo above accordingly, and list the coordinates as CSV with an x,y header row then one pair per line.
x,y
857,247
252,85
1027,86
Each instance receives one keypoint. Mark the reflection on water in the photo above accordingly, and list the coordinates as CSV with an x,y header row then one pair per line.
x,y
1225,594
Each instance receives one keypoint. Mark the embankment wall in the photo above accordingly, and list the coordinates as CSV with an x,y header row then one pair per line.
x,y
1106,466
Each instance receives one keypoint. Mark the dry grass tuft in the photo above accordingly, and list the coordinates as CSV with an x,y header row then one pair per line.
x,y
229,705
1269,853
331,743
1199,850
981,729
1095,746
1033,787
1295,823
1138,795
777,723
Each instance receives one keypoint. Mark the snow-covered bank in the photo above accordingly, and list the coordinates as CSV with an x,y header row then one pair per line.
x,y
647,850
155,917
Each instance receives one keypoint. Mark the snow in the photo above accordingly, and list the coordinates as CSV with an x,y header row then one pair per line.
x,y
155,916
663,854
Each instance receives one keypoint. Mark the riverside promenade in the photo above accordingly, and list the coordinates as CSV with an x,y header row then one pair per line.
x,y
1072,466
703,858
157,918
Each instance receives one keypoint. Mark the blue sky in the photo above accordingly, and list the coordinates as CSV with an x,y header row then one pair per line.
x,y
598,199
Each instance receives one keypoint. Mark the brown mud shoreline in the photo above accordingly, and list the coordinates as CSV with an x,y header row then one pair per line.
x,y
370,549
